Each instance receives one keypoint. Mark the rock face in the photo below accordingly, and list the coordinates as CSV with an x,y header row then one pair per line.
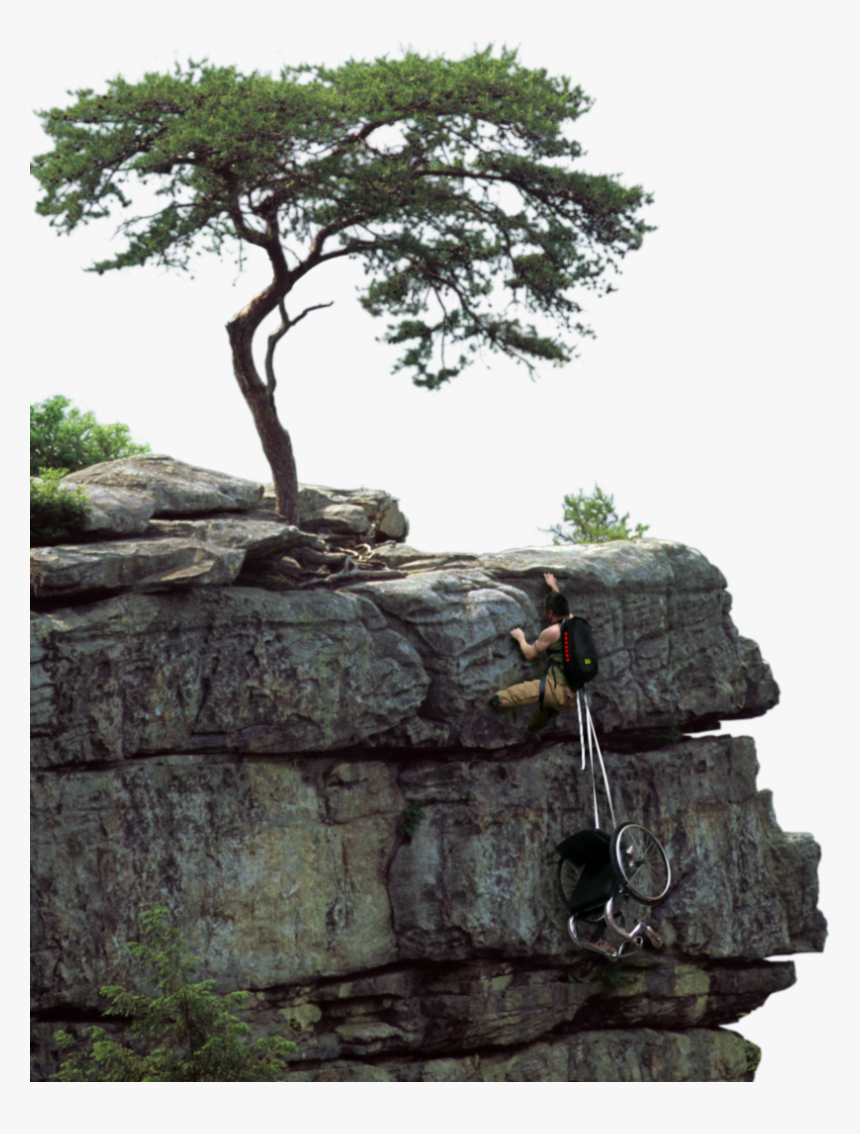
x,y
115,511
173,487
246,755
124,494
174,508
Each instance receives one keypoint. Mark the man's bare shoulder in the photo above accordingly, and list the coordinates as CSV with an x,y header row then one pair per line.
x,y
547,636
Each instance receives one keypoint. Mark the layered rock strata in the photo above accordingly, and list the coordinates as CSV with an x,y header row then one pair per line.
x,y
155,524
246,755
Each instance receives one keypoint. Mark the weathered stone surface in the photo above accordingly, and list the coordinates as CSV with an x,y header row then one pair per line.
x,y
123,495
242,847
286,871
399,556
246,757
605,1055
367,513
221,669
115,511
340,519
255,533
428,1009
475,878
643,1056
76,570
669,653
175,487
670,656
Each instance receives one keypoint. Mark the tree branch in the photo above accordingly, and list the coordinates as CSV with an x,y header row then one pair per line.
x,y
246,233
276,337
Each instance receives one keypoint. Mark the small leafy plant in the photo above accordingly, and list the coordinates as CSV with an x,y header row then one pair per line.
x,y
410,819
184,1034
593,519
56,513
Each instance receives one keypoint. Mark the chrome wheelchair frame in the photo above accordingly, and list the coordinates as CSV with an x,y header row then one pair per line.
x,y
601,878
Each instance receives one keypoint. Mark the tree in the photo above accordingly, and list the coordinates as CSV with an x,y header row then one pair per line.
x,y
450,181
594,520
63,438
186,1034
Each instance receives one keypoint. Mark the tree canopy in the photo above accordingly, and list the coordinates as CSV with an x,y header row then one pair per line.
x,y
64,438
452,181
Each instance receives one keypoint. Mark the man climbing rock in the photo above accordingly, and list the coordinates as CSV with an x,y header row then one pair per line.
x,y
558,696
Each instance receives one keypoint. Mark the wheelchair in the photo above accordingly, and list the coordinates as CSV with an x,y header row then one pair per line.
x,y
608,884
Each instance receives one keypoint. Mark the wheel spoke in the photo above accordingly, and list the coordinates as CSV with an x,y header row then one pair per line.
x,y
641,862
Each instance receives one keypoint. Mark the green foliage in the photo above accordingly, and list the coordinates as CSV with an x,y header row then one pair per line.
x,y
451,181
753,1055
594,520
56,513
410,819
185,1034
63,438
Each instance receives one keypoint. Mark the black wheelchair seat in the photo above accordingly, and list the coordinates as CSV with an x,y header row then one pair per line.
x,y
600,874
589,851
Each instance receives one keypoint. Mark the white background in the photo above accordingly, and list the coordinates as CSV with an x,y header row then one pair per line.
x,y
715,403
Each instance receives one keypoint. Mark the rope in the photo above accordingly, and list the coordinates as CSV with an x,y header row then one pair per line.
x,y
591,732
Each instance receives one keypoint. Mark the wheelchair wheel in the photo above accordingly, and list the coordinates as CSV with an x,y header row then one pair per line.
x,y
640,863
567,876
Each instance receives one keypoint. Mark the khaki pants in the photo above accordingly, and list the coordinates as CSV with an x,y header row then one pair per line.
x,y
557,698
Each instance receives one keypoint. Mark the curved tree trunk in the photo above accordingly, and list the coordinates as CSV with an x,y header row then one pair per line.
x,y
275,439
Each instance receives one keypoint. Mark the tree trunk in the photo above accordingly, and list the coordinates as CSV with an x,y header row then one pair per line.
x,y
275,439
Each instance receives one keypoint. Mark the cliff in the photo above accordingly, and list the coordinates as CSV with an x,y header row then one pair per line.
x,y
231,716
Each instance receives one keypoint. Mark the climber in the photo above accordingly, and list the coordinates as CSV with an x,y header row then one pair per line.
x,y
558,696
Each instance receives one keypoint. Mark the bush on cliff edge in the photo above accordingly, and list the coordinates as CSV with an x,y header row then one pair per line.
x,y
62,441
56,513
63,438
593,519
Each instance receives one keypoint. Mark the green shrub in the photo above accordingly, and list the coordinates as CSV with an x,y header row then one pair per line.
x,y
593,519
185,1034
56,513
63,438
62,441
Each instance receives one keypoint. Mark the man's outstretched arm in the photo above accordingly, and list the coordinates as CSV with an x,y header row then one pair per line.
x,y
529,652
544,641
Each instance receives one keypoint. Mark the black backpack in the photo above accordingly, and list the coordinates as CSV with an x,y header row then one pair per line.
x,y
578,659
578,655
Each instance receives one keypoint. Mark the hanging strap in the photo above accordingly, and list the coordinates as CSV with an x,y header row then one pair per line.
x,y
592,733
